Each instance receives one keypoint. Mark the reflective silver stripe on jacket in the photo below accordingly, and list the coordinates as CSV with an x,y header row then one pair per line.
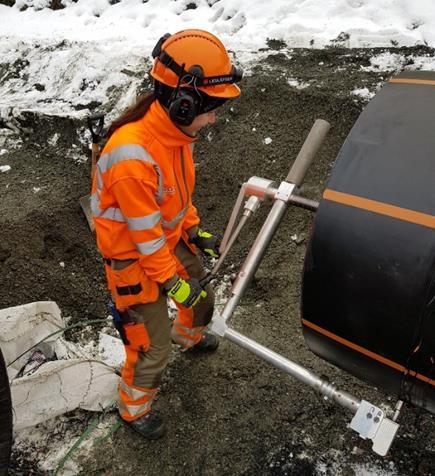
x,y
130,152
144,223
150,247
106,162
171,224
134,393
112,213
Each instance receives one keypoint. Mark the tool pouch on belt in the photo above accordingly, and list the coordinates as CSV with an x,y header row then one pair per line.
x,y
130,285
134,335
119,319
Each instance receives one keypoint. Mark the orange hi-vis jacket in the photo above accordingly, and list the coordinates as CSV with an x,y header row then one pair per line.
x,y
142,195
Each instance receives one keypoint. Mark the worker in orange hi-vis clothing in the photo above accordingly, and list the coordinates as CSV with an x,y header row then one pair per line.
x,y
146,225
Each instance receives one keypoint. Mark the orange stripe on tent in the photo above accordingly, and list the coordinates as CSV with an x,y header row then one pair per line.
x,y
367,353
353,346
381,208
412,81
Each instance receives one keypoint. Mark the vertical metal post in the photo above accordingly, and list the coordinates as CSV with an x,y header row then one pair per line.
x,y
254,257
283,195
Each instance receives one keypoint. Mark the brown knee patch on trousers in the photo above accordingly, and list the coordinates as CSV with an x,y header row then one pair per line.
x,y
151,365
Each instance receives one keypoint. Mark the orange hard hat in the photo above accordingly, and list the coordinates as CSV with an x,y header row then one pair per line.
x,y
197,53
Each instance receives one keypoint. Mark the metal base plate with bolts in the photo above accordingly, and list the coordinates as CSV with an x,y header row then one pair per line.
x,y
370,423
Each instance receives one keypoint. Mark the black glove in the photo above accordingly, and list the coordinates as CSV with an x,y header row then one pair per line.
x,y
186,292
207,243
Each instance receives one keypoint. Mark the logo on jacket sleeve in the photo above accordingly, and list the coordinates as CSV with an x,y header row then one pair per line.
x,y
170,190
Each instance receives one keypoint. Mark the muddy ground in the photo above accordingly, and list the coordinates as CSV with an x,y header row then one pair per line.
x,y
228,413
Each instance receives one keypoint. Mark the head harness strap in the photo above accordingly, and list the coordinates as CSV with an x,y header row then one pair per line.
x,y
234,77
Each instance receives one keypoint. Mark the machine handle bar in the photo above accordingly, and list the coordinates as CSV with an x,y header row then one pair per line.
x,y
308,150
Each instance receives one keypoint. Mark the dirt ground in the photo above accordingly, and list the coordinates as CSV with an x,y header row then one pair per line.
x,y
227,413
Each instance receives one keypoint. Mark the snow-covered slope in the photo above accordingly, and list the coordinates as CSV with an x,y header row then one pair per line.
x,y
242,24
96,52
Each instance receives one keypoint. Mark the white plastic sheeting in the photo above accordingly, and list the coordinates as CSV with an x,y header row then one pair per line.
x,y
111,350
55,386
21,327
61,386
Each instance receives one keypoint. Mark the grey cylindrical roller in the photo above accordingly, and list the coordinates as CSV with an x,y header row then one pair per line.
x,y
309,149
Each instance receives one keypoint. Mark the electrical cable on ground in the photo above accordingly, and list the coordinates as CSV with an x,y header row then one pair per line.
x,y
92,322
89,429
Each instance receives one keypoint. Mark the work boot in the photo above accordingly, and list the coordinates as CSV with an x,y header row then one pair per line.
x,y
151,426
208,343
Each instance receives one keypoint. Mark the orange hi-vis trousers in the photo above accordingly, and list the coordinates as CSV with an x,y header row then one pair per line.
x,y
149,336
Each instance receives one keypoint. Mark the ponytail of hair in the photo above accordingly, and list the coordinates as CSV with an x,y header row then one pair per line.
x,y
133,113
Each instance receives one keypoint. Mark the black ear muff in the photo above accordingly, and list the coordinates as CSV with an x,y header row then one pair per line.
x,y
184,107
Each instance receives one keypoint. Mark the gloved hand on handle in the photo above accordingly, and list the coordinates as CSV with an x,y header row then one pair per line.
x,y
186,292
205,241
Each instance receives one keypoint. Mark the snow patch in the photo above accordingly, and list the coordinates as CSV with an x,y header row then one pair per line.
x,y
69,78
294,83
53,140
111,350
386,62
363,93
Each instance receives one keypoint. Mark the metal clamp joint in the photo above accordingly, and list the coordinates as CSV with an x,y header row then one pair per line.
x,y
285,191
219,326
251,205
258,187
